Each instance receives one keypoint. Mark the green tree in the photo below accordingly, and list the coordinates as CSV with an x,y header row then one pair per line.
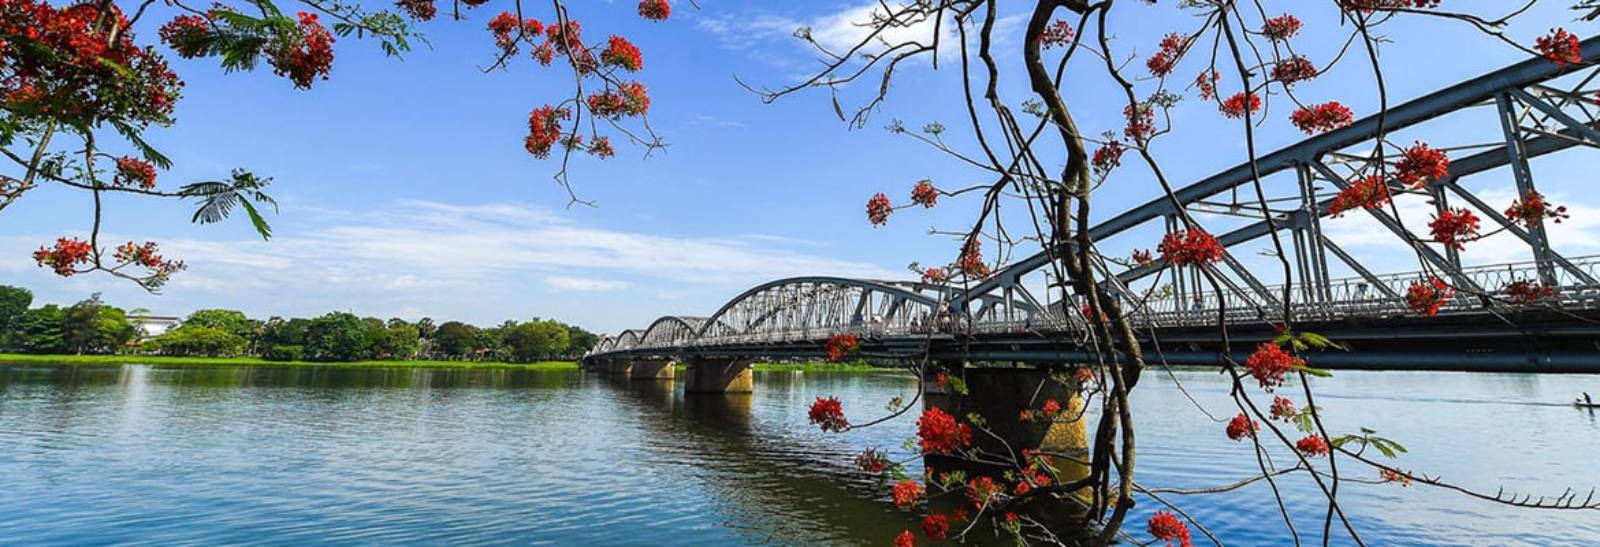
x,y
91,326
456,339
397,341
580,341
232,321
338,336
189,340
535,339
14,302
37,331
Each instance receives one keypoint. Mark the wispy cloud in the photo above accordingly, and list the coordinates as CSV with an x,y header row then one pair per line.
x,y
583,284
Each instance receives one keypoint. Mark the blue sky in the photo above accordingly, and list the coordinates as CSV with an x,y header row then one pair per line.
x,y
405,191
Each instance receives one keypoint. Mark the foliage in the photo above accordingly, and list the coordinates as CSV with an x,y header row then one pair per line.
x,y
198,340
536,339
14,302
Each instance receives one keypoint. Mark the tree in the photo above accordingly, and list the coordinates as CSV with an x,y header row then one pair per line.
x,y
197,339
37,331
338,336
90,326
536,339
394,340
580,341
14,302
456,339
231,321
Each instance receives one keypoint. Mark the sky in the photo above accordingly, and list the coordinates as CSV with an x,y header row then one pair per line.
x,y
405,191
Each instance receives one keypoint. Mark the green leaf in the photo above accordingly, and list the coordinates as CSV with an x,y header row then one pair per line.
x,y
117,67
149,152
255,219
1318,372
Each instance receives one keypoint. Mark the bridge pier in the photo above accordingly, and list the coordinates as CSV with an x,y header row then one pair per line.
x,y
719,375
618,367
651,369
1000,395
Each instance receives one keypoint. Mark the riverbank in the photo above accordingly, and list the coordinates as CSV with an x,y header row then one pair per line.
x,y
20,359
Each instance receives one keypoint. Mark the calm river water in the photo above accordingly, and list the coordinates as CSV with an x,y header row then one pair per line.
x,y
362,456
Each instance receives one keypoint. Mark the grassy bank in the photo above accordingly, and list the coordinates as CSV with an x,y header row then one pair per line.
x,y
17,359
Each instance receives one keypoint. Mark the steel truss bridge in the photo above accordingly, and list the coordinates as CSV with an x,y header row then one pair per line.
x,y
1525,112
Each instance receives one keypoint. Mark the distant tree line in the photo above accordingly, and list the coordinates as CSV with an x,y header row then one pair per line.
x,y
93,327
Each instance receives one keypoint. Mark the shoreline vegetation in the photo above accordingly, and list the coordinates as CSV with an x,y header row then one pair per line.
x,y
78,360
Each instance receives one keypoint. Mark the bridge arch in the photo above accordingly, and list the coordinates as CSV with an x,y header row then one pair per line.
x,y
816,307
671,330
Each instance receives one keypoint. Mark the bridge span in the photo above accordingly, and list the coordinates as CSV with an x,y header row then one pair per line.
x,y
1495,127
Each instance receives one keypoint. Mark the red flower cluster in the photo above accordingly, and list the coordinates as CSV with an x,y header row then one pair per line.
x,y
1420,164
1369,192
938,432
1206,82
982,489
1242,427
905,539
565,40
146,255
1312,446
1270,363
306,57
1057,33
601,147
1172,48
65,63
1294,69
1321,118
906,493
1281,27
507,31
1524,291
935,275
1107,157
1283,409
872,461
1235,106
1142,257
1532,208
828,414
134,172
655,10
1394,475
971,261
925,194
544,129
1454,228
1426,297
1195,246
879,209
629,99
1141,122
421,10
1560,47
186,34
1165,526
621,53
936,526
65,257
1083,374
841,345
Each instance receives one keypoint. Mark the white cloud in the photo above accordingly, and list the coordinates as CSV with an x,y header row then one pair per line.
x,y
583,284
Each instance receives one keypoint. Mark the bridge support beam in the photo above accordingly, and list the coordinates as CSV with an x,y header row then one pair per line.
x,y
652,369
719,375
1000,395
618,367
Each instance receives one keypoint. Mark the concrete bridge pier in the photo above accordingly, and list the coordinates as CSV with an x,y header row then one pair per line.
x,y
1000,395
652,369
719,375
618,367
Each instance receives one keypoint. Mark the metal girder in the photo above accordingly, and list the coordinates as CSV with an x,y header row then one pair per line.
x,y
1517,156
1399,231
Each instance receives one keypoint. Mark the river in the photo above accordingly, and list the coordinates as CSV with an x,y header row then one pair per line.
x,y
297,455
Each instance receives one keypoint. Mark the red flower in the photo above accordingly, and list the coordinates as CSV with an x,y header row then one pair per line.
x,y
1454,227
879,209
1242,426
421,10
1369,192
1292,70
1532,208
1190,247
906,493
1321,118
1083,374
1172,48
1236,105
1394,475
1107,157
1283,409
307,55
544,129
503,27
1560,47
1421,164
621,53
654,10
971,261
601,147
1057,33
939,432
1270,363
905,539
1165,526
1281,27
982,489
1312,445
187,35
1525,292
925,194
936,527
1141,122
65,256
828,414
935,275
1206,82
134,171
629,99
840,345
1426,297
1050,408
872,461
